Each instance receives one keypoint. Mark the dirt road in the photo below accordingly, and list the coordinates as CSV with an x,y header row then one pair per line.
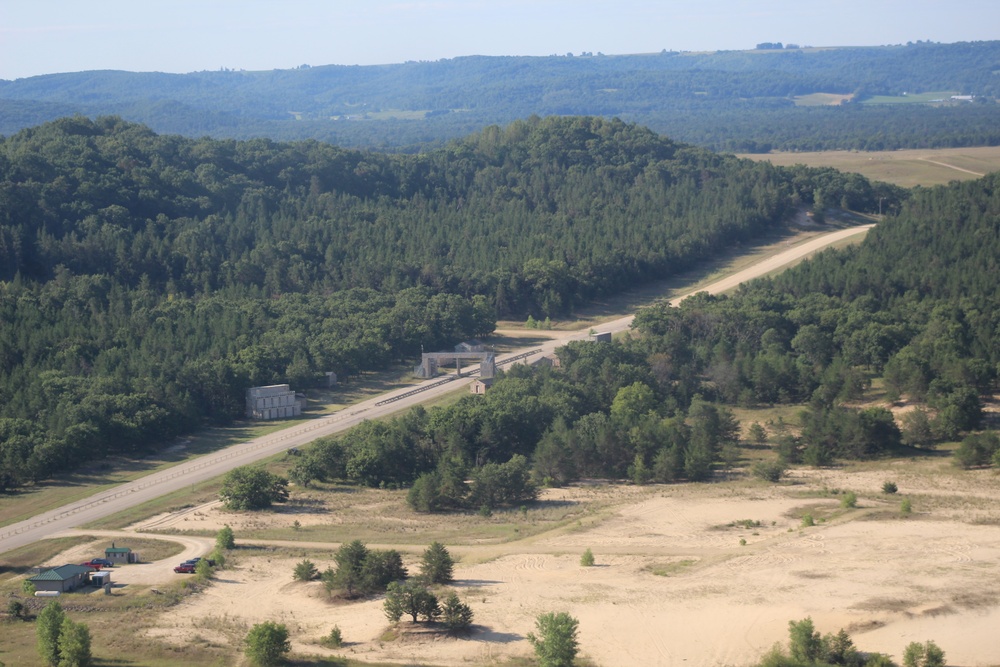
x,y
207,467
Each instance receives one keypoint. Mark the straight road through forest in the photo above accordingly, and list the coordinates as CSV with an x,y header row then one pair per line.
x,y
209,466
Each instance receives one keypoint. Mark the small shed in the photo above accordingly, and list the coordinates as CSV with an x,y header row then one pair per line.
x,y
119,555
546,360
62,579
480,386
601,337
473,345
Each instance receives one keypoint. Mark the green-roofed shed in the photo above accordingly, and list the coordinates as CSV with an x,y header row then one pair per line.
x,y
64,578
119,555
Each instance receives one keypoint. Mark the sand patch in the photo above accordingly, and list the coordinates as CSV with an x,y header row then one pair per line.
x,y
673,584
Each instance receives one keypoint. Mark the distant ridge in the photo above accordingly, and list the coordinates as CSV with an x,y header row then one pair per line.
x,y
742,101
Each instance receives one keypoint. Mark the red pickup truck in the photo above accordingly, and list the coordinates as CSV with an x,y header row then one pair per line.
x,y
185,568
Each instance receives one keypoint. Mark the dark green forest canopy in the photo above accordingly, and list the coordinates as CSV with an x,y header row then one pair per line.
x,y
538,216
917,303
733,100
148,280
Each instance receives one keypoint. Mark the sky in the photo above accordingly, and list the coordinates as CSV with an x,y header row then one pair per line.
x,y
50,36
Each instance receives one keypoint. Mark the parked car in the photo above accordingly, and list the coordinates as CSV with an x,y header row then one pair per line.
x,y
90,563
185,568
195,561
103,562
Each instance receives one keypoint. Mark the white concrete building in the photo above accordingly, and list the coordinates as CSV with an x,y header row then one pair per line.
x,y
276,401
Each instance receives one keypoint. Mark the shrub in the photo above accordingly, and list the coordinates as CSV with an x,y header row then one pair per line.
x,y
15,609
849,500
905,507
923,655
203,570
769,471
587,559
305,571
267,643
335,639
977,449
224,539
889,487
807,520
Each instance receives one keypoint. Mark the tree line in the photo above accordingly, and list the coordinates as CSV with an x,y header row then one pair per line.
x,y
911,304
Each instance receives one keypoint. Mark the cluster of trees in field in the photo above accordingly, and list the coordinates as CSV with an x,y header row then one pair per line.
x,y
808,648
362,572
146,281
691,96
916,304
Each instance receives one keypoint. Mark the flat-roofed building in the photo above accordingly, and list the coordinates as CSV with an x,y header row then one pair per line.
x,y
276,401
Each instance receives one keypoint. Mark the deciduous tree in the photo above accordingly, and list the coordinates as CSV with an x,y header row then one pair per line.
x,y
252,488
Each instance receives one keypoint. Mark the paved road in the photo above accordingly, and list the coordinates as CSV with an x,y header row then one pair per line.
x,y
207,467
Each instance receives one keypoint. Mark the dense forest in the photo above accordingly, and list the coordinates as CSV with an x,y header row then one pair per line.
x,y
730,100
148,280
916,304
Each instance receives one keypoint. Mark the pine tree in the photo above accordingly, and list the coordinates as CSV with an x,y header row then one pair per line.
x,y
437,565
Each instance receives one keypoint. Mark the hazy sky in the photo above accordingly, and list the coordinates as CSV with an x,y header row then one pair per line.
x,y
46,36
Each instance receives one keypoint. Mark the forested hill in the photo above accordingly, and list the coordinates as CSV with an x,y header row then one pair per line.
x,y
916,303
733,100
538,217
148,280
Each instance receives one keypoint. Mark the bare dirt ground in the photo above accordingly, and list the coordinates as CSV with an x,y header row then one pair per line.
x,y
672,585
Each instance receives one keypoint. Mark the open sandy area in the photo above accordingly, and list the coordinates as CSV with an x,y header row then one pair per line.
x,y
672,585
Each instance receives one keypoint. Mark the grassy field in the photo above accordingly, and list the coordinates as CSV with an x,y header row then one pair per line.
x,y
907,168
934,97
820,99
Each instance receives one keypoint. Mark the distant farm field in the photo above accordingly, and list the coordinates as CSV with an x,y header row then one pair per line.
x,y
906,167
821,99
934,97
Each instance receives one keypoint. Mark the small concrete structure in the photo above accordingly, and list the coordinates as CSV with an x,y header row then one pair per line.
x,y
62,579
470,346
480,386
602,337
546,360
276,401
